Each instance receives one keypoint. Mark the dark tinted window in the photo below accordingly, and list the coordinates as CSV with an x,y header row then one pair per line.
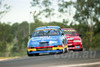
x,y
46,32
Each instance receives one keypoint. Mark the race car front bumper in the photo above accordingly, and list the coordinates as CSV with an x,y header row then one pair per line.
x,y
47,49
74,46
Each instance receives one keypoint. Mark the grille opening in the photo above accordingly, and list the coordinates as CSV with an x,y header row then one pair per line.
x,y
71,46
43,44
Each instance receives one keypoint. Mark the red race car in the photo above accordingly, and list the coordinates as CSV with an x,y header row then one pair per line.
x,y
74,40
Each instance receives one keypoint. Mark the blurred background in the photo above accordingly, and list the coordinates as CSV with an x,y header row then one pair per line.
x,y
19,18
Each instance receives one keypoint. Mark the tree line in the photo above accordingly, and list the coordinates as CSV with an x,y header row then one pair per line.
x,y
14,38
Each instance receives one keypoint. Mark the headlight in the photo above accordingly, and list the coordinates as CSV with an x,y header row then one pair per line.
x,y
52,42
77,41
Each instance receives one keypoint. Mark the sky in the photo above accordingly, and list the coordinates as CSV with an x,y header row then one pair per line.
x,y
20,11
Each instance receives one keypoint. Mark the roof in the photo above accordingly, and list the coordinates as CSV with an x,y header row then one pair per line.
x,y
47,27
68,29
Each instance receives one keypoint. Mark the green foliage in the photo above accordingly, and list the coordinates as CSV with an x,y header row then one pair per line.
x,y
87,9
45,8
13,38
5,34
96,43
63,5
4,8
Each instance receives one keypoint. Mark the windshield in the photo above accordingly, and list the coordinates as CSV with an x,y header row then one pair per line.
x,y
46,32
70,33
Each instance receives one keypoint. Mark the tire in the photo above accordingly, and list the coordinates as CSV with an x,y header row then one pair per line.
x,y
66,50
37,54
78,50
52,53
29,54
81,50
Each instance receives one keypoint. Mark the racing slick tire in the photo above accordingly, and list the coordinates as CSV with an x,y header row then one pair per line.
x,y
66,50
37,54
81,50
29,54
78,50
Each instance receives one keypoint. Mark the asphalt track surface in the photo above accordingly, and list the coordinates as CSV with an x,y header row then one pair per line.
x,y
71,59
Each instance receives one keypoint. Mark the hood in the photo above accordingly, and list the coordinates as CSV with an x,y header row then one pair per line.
x,y
35,41
44,38
73,37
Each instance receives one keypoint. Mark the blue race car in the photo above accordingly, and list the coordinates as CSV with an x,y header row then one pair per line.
x,y
47,39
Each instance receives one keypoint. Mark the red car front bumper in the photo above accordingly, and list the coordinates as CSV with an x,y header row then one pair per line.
x,y
75,46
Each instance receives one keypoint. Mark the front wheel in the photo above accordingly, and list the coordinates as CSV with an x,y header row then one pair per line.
x,y
81,50
66,49
37,54
29,54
